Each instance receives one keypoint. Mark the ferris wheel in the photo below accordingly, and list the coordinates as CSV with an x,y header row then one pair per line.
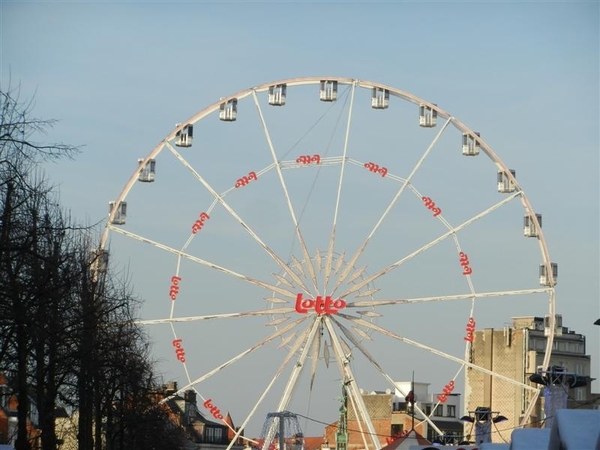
x,y
320,230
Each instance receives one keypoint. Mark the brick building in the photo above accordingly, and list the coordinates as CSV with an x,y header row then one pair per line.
x,y
392,416
517,351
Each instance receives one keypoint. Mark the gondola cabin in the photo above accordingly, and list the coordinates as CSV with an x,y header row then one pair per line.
x,y
184,137
277,95
558,327
530,228
228,110
380,98
120,214
470,144
328,91
147,171
427,116
505,183
544,276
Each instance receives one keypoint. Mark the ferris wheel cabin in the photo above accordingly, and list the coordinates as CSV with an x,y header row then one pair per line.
x,y
470,145
530,228
505,183
427,116
184,137
228,110
120,214
544,278
277,94
380,98
147,171
328,91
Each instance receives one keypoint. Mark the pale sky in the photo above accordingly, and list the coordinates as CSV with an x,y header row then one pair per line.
x,y
119,76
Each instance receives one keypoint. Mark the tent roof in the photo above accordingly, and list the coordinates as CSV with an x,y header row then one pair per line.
x,y
406,441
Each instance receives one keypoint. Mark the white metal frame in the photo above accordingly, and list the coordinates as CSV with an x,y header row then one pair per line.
x,y
329,264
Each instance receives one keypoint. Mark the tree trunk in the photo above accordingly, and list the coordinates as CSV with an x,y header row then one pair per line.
x,y
97,414
22,442
86,441
46,390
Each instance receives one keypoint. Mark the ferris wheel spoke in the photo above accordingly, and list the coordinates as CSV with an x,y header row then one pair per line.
x,y
441,298
295,375
350,380
307,259
432,350
359,422
303,340
406,182
314,355
205,263
427,246
293,349
232,212
239,356
337,287
357,342
262,312
331,245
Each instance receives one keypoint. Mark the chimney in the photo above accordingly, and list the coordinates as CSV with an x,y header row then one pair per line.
x,y
190,396
171,387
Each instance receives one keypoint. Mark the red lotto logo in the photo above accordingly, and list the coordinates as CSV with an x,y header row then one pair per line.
x,y
320,305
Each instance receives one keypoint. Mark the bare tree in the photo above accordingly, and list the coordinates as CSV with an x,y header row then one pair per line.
x,y
18,130
116,379
32,231
68,336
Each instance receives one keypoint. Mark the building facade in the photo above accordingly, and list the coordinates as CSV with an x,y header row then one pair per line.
x,y
200,432
517,351
392,416
8,418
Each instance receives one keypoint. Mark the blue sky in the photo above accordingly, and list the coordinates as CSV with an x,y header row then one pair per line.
x,y
119,76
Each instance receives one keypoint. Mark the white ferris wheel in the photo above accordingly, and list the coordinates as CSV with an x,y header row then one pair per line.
x,y
319,230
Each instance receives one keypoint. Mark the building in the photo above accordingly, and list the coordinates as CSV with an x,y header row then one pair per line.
x,y
67,427
517,352
184,415
198,430
8,418
444,417
392,417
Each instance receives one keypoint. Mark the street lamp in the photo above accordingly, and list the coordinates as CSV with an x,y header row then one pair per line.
x,y
482,418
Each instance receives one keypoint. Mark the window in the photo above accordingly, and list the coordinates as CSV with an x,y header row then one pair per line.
x,y
572,347
562,346
439,410
432,434
214,434
540,344
428,409
400,406
580,395
451,411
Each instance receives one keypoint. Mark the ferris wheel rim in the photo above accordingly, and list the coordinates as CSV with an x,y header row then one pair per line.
x,y
302,81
